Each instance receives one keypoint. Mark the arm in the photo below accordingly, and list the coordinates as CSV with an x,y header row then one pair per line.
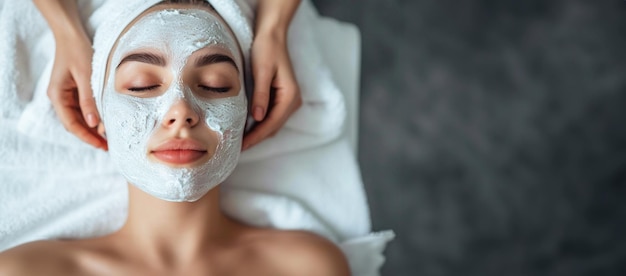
x,y
69,89
272,69
62,17
274,16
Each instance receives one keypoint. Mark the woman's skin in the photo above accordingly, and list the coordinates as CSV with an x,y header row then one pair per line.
x,y
71,95
196,239
179,238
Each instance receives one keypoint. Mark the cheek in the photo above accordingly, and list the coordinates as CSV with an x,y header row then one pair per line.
x,y
211,138
226,115
129,123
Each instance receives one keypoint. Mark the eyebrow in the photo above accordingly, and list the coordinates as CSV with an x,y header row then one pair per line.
x,y
145,58
214,58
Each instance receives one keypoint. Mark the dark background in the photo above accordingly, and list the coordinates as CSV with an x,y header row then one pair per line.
x,y
493,133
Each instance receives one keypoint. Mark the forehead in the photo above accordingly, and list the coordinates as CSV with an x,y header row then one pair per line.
x,y
173,6
177,29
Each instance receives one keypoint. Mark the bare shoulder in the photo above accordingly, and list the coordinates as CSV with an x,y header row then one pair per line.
x,y
38,258
301,253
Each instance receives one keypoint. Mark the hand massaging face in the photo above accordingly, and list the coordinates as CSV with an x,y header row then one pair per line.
x,y
138,106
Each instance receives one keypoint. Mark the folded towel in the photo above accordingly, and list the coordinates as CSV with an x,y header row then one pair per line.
x,y
54,186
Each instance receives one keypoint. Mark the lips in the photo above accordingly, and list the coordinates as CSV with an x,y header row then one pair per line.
x,y
179,151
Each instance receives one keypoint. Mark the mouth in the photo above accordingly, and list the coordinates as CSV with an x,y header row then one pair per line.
x,y
179,152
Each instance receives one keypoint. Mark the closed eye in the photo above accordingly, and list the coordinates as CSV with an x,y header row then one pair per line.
x,y
214,89
145,88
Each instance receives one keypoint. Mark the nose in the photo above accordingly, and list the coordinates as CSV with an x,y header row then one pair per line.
x,y
181,114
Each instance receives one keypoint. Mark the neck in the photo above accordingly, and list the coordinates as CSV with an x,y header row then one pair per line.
x,y
167,232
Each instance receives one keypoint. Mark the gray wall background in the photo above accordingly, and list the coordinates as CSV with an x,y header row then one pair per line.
x,y
492,135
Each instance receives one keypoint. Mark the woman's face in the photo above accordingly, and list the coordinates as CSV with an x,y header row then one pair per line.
x,y
174,104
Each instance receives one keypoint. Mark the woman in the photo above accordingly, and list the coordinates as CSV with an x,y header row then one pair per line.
x,y
72,99
174,108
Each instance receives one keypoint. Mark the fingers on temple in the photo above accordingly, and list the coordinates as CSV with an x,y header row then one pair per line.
x,y
73,122
86,101
85,134
263,77
259,133
88,135
272,123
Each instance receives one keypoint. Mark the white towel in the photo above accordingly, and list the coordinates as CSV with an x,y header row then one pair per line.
x,y
54,186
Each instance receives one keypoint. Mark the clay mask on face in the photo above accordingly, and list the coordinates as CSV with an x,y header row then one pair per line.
x,y
130,121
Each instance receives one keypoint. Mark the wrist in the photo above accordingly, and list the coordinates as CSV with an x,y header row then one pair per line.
x,y
71,34
274,16
275,34
62,17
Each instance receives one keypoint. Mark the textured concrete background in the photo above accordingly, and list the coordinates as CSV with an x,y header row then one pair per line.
x,y
492,133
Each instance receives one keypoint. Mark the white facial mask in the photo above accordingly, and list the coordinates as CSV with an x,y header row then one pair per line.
x,y
131,121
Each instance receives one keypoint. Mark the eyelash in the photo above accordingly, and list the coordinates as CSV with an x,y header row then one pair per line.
x,y
214,89
141,89
203,87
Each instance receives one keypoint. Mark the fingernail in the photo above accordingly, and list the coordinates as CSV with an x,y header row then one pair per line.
x,y
258,113
91,120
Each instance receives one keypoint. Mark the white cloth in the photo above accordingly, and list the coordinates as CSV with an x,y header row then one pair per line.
x,y
54,186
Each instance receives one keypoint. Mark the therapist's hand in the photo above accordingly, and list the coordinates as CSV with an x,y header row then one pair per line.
x,y
70,91
272,70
